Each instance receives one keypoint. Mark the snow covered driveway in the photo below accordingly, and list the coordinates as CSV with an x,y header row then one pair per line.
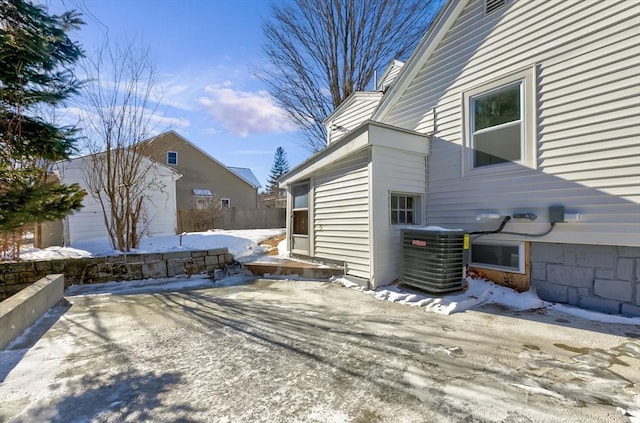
x,y
294,351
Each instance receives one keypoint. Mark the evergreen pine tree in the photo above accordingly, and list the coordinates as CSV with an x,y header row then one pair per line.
x,y
279,168
36,56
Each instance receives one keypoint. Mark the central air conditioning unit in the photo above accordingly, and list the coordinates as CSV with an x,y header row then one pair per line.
x,y
433,260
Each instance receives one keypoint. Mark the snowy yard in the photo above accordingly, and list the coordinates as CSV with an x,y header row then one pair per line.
x,y
288,350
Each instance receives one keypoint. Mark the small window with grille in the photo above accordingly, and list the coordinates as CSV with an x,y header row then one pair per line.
x,y
405,209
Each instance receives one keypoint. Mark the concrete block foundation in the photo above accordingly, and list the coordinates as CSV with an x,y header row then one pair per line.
x,y
601,278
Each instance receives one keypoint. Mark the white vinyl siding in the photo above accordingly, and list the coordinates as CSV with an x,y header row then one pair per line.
x,y
341,214
585,59
357,110
159,205
394,171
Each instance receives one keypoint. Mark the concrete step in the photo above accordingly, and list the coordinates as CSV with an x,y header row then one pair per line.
x,y
293,267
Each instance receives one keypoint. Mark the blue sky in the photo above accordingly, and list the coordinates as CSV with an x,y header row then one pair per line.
x,y
205,55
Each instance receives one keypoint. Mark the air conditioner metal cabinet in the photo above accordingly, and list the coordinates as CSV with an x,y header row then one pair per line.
x,y
433,260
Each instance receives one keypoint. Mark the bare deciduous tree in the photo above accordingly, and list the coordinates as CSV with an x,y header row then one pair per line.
x,y
324,50
120,113
205,210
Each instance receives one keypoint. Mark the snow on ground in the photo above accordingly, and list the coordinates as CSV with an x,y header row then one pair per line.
x,y
478,292
240,243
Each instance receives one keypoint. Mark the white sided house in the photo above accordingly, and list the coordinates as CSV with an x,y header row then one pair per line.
x,y
509,111
159,215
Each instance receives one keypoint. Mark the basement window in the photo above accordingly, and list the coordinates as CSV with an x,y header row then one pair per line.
x,y
405,209
503,256
491,6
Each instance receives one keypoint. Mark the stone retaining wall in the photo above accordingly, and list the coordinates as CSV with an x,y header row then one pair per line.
x,y
597,277
17,275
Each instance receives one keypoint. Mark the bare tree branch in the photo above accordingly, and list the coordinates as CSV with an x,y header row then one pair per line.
x,y
119,116
321,51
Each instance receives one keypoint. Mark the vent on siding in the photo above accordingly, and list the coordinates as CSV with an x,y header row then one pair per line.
x,y
491,6
433,260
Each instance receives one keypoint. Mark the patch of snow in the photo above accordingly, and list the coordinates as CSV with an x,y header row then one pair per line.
x,y
479,292
283,248
139,286
240,243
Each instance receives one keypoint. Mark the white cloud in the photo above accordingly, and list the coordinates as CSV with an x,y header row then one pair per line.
x,y
245,112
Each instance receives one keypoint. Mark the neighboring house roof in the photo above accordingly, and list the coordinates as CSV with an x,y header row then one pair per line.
x,y
246,174
177,175
252,181
448,14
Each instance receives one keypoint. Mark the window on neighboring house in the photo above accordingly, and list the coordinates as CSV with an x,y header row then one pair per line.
x,y
202,198
226,202
172,157
497,255
499,125
301,209
405,209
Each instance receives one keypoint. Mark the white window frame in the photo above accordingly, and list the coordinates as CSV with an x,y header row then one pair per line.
x,y
227,201
417,207
521,257
528,138
172,152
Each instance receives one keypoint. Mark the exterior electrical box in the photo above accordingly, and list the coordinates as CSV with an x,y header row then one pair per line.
x,y
433,260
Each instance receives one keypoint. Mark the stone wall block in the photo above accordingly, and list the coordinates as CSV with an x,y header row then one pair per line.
x,y
579,277
630,310
211,260
43,266
573,297
614,290
217,252
551,292
631,252
176,267
174,255
154,270
625,269
539,271
605,274
600,304
600,256
546,253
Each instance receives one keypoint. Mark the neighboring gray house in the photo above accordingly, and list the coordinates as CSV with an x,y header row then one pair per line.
x,y
203,177
506,107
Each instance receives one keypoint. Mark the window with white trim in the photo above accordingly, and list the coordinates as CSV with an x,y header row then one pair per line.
x,y
301,209
498,255
405,209
226,202
172,157
499,121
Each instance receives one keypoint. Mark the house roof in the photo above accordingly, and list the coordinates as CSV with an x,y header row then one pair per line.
x,y
369,133
244,176
446,17
349,101
389,75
